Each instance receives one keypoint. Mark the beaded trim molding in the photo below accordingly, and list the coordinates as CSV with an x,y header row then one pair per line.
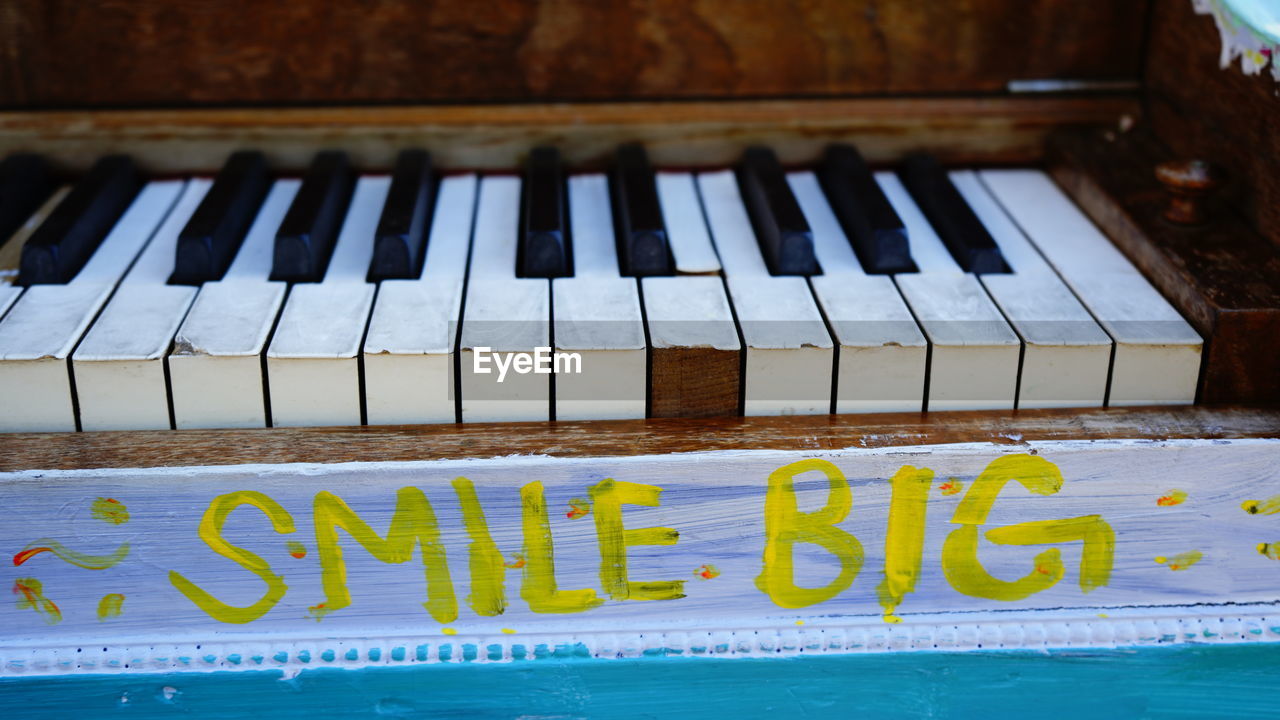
x,y
1113,629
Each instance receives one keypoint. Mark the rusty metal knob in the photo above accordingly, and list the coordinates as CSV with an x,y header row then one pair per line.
x,y
1188,183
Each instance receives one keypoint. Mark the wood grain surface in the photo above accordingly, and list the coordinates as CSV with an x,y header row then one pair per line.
x,y
620,438
963,130
1222,115
1222,276
69,53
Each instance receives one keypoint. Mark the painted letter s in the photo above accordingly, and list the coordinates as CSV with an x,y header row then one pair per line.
x,y
211,532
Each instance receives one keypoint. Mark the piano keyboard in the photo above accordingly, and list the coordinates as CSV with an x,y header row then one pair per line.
x,y
344,298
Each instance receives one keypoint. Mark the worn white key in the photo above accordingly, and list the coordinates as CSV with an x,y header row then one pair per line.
x,y
313,362
215,370
601,358
686,227
409,350
973,360
790,355
120,365
1157,354
695,353
506,320
1066,355
42,328
11,249
880,365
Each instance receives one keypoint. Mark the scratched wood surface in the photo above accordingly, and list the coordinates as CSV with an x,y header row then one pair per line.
x,y
1222,115
1222,276
66,53
963,130
629,437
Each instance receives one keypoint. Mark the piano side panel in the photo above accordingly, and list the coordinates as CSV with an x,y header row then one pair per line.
x,y
1222,115
66,53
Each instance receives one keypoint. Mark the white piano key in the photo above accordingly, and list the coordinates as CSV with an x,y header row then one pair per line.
x,y
691,245
973,358
1157,354
39,333
789,353
11,247
313,362
1066,355
504,316
120,365
880,366
596,318
409,350
215,369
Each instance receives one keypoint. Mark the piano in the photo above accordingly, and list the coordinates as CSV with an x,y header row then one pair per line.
x,y
605,352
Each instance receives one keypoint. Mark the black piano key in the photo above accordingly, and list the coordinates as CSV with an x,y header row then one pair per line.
x,y
400,243
544,250
25,183
960,229
216,229
873,227
780,226
304,242
643,248
63,243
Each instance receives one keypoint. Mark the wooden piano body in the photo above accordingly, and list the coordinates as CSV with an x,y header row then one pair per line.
x,y
634,567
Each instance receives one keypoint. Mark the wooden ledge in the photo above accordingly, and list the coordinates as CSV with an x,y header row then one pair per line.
x,y
696,133
614,438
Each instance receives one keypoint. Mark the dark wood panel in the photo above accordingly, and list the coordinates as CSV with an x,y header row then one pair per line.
x,y
1201,110
961,130
624,437
73,53
1222,276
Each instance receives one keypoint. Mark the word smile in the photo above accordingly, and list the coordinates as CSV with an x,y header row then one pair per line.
x,y
542,361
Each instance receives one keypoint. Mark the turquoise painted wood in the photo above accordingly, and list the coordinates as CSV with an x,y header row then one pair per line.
x,y
1235,681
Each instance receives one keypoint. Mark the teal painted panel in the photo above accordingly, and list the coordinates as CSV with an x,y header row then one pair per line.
x,y
1194,682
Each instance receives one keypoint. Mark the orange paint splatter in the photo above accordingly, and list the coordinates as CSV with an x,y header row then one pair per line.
x,y
1175,497
109,510
27,554
1042,570
32,596
706,572
1181,561
318,612
111,605
578,508
517,562
297,549
953,486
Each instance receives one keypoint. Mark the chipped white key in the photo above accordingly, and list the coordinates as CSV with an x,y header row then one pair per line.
x,y
789,353
409,350
601,360
120,365
42,328
313,362
216,370
882,355
973,360
1066,355
506,320
1157,354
